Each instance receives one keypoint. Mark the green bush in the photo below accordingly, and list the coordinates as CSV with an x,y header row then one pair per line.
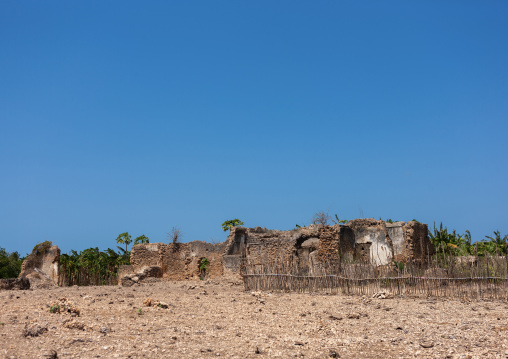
x,y
10,264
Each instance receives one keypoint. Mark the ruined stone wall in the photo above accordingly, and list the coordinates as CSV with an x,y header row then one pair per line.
x,y
149,254
302,248
418,247
306,250
372,242
179,261
268,247
41,267
368,240
411,242
336,243
396,234
256,246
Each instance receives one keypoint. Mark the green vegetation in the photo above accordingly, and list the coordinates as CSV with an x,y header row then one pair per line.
x,y
339,221
231,223
452,243
125,238
203,265
10,264
91,266
139,311
54,309
41,248
399,266
142,239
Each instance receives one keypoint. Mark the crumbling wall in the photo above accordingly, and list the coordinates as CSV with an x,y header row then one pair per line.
x,y
213,253
41,267
396,234
418,247
372,242
367,240
258,246
336,243
234,250
303,248
149,254
178,261
410,241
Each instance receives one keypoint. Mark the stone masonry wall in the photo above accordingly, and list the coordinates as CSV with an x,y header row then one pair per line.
x,y
372,242
418,247
178,261
335,243
150,254
302,248
369,240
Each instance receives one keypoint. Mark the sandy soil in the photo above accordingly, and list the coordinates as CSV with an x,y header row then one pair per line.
x,y
219,319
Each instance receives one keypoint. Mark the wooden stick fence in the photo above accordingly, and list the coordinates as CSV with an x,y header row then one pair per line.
x,y
410,286
486,279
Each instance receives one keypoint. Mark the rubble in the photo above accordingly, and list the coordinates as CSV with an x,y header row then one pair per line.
x,y
14,283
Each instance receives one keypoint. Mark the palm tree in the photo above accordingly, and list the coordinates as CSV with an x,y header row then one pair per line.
x,y
124,238
501,244
141,239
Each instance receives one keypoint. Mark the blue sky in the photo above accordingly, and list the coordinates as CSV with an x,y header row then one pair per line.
x,y
139,116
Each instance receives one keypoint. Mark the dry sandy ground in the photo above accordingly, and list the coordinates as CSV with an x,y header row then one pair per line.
x,y
219,319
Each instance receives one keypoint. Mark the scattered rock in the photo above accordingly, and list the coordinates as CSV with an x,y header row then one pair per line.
x,y
426,344
356,315
332,317
52,354
147,273
73,324
149,302
381,295
34,330
79,340
63,305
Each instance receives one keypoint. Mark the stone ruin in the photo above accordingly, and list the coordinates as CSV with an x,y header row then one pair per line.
x,y
41,267
361,240
365,240
174,261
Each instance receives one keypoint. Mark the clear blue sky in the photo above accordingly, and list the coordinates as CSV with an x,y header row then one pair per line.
x,y
138,116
